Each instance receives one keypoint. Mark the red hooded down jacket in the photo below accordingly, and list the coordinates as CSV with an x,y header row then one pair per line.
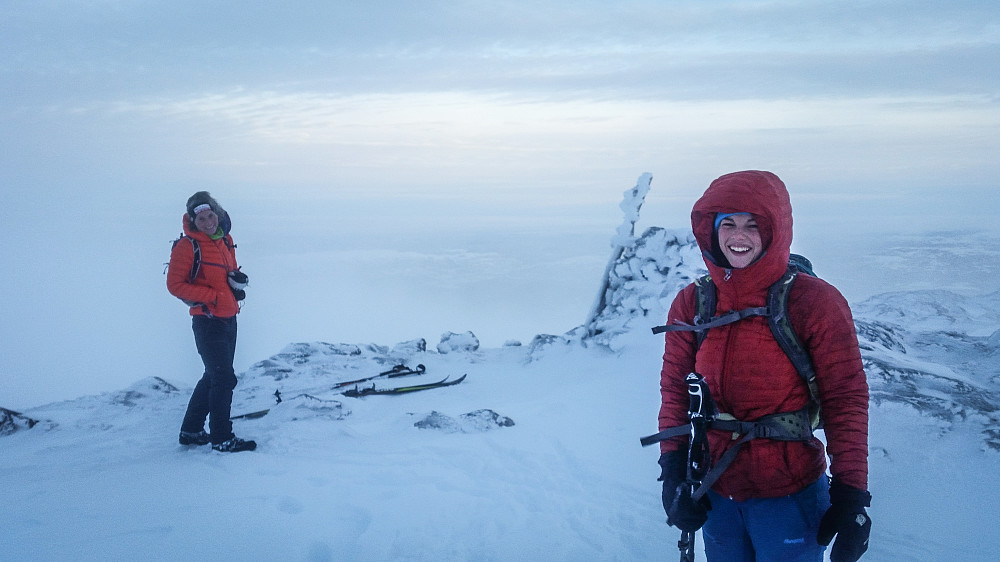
x,y
748,373
211,286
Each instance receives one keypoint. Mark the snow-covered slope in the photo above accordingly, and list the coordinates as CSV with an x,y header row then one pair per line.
x,y
937,352
535,456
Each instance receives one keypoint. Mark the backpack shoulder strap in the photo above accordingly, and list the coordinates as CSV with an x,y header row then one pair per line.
x,y
704,317
704,310
705,302
196,252
784,334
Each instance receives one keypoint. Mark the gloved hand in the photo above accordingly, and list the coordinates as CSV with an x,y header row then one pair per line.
x,y
847,519
238,280
682,512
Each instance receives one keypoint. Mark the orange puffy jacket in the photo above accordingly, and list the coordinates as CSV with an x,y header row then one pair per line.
x,y
210,288
746,370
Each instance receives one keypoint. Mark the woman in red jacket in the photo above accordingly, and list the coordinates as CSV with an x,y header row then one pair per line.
x,y
204,274
774,501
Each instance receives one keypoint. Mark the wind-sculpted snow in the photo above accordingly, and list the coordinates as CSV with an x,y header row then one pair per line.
x,y
934,311
936,351
471,422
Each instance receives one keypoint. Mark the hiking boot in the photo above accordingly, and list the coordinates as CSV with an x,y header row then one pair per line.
x,y
234,445
199,438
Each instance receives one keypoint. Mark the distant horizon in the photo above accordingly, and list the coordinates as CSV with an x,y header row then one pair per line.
x,y
459,164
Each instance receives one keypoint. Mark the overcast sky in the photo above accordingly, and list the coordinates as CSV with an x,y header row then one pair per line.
x,y
352,137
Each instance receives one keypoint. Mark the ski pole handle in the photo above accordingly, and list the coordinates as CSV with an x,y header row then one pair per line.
x,y
700,403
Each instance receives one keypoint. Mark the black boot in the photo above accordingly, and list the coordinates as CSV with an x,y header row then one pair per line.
x,y
234,445
196,438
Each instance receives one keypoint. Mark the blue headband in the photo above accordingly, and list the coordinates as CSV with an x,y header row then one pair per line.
x,y
720,216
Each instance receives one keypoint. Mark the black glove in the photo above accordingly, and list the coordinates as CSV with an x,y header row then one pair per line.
x,y
682,512
847,519
237,280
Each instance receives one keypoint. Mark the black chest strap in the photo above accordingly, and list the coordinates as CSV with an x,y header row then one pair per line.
x,y
721,320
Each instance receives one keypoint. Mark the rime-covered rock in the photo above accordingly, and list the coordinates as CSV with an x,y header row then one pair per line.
x,y
478,421
643,281
452,342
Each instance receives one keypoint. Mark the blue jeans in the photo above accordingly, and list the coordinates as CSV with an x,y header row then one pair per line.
x,y
213,395
770,529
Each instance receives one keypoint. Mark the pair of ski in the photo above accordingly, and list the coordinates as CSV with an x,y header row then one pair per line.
x,y
370,391
397,371
356,392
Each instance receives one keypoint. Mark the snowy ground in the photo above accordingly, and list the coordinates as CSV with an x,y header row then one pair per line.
x,y
567,482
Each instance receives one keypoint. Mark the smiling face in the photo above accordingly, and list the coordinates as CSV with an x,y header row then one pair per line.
x,y
207,222
740,240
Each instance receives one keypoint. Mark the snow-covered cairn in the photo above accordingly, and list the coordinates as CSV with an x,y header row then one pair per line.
x,y
643,274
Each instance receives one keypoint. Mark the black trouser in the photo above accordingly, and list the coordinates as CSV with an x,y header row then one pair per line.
x,y
213,395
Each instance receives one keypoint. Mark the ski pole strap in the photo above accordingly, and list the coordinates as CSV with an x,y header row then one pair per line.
x,y
666,434
721,320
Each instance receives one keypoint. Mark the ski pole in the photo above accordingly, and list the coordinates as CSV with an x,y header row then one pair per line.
x,y
686,546
701,411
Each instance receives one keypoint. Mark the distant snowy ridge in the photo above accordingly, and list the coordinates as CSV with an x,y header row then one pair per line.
x,y
929,350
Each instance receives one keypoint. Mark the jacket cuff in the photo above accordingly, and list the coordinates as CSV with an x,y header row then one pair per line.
x,y
848,496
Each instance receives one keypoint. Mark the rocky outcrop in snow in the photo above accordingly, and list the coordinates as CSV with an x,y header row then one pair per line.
x,y
452,342
11,421
643,281
478,421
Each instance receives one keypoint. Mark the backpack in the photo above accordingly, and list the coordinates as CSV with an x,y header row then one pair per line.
x,y
195,266
196,249
776,313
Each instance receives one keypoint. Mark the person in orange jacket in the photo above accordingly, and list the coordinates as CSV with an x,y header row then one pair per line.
x,y
204,274
774,500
